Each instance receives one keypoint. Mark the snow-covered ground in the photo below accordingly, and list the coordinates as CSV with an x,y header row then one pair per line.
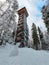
x,y
12,55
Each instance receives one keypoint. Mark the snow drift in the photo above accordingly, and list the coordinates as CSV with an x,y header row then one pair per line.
x,y
12,55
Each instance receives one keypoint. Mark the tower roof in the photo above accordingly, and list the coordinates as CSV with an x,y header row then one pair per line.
x,y
23,10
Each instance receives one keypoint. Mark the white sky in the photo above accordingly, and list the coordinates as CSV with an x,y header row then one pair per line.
x,y
2,0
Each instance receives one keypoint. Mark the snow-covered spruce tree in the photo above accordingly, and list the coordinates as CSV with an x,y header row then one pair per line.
x,y
7,21
43,45
35,37
46,38
45,14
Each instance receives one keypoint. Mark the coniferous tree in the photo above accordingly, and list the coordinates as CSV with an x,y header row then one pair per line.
x,y
7,20
45,14
41,38
35,37
40,33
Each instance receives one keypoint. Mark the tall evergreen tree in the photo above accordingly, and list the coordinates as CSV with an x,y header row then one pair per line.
x,y
45,14
35,37
40,33
7,20
41,38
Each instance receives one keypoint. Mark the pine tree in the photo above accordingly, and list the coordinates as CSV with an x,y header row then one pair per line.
x,y
7,20
45,14
40,33
35,36
41,38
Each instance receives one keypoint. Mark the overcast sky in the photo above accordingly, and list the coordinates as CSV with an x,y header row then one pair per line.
x,y
34,10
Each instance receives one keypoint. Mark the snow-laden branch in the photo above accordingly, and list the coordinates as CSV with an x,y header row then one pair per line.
x,y
7,18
